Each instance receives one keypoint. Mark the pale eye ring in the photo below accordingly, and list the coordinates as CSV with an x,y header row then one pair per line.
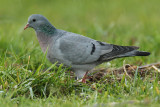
x,y
34,20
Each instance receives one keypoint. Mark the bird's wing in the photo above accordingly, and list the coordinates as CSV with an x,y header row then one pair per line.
x,y
118,52
79,49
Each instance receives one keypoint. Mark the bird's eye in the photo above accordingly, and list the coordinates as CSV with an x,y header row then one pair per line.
x,y
34,20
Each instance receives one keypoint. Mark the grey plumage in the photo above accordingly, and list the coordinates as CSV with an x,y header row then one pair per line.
x,y
79,52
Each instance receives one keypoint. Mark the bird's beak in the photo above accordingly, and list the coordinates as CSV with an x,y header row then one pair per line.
x,y
27,25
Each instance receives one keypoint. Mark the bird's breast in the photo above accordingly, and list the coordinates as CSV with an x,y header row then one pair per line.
x,y
44,41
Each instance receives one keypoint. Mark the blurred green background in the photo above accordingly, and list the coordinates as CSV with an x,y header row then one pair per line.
x,y
121,22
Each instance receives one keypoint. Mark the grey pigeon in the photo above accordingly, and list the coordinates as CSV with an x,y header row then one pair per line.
x,y
74,50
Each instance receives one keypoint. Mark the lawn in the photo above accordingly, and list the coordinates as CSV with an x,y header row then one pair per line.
x,y
27,78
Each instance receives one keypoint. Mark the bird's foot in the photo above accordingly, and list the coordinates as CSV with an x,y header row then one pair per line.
x,y
84,80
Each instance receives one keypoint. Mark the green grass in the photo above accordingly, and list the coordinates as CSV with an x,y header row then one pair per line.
x,y
122,22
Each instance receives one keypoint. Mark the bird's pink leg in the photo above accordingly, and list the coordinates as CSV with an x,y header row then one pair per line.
x,y
84,78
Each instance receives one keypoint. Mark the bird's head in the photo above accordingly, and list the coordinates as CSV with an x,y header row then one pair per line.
x,y
38,22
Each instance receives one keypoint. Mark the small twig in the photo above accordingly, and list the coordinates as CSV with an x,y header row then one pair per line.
x,y
149,65
131,67
125,69
155,68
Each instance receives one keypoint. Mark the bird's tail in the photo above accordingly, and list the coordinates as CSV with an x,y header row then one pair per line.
x,y
134,53
122,51
142,53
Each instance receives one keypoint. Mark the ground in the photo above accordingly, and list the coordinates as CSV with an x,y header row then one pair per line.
x,y
27,78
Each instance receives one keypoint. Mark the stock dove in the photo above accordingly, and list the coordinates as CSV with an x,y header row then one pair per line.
x,y
71,49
